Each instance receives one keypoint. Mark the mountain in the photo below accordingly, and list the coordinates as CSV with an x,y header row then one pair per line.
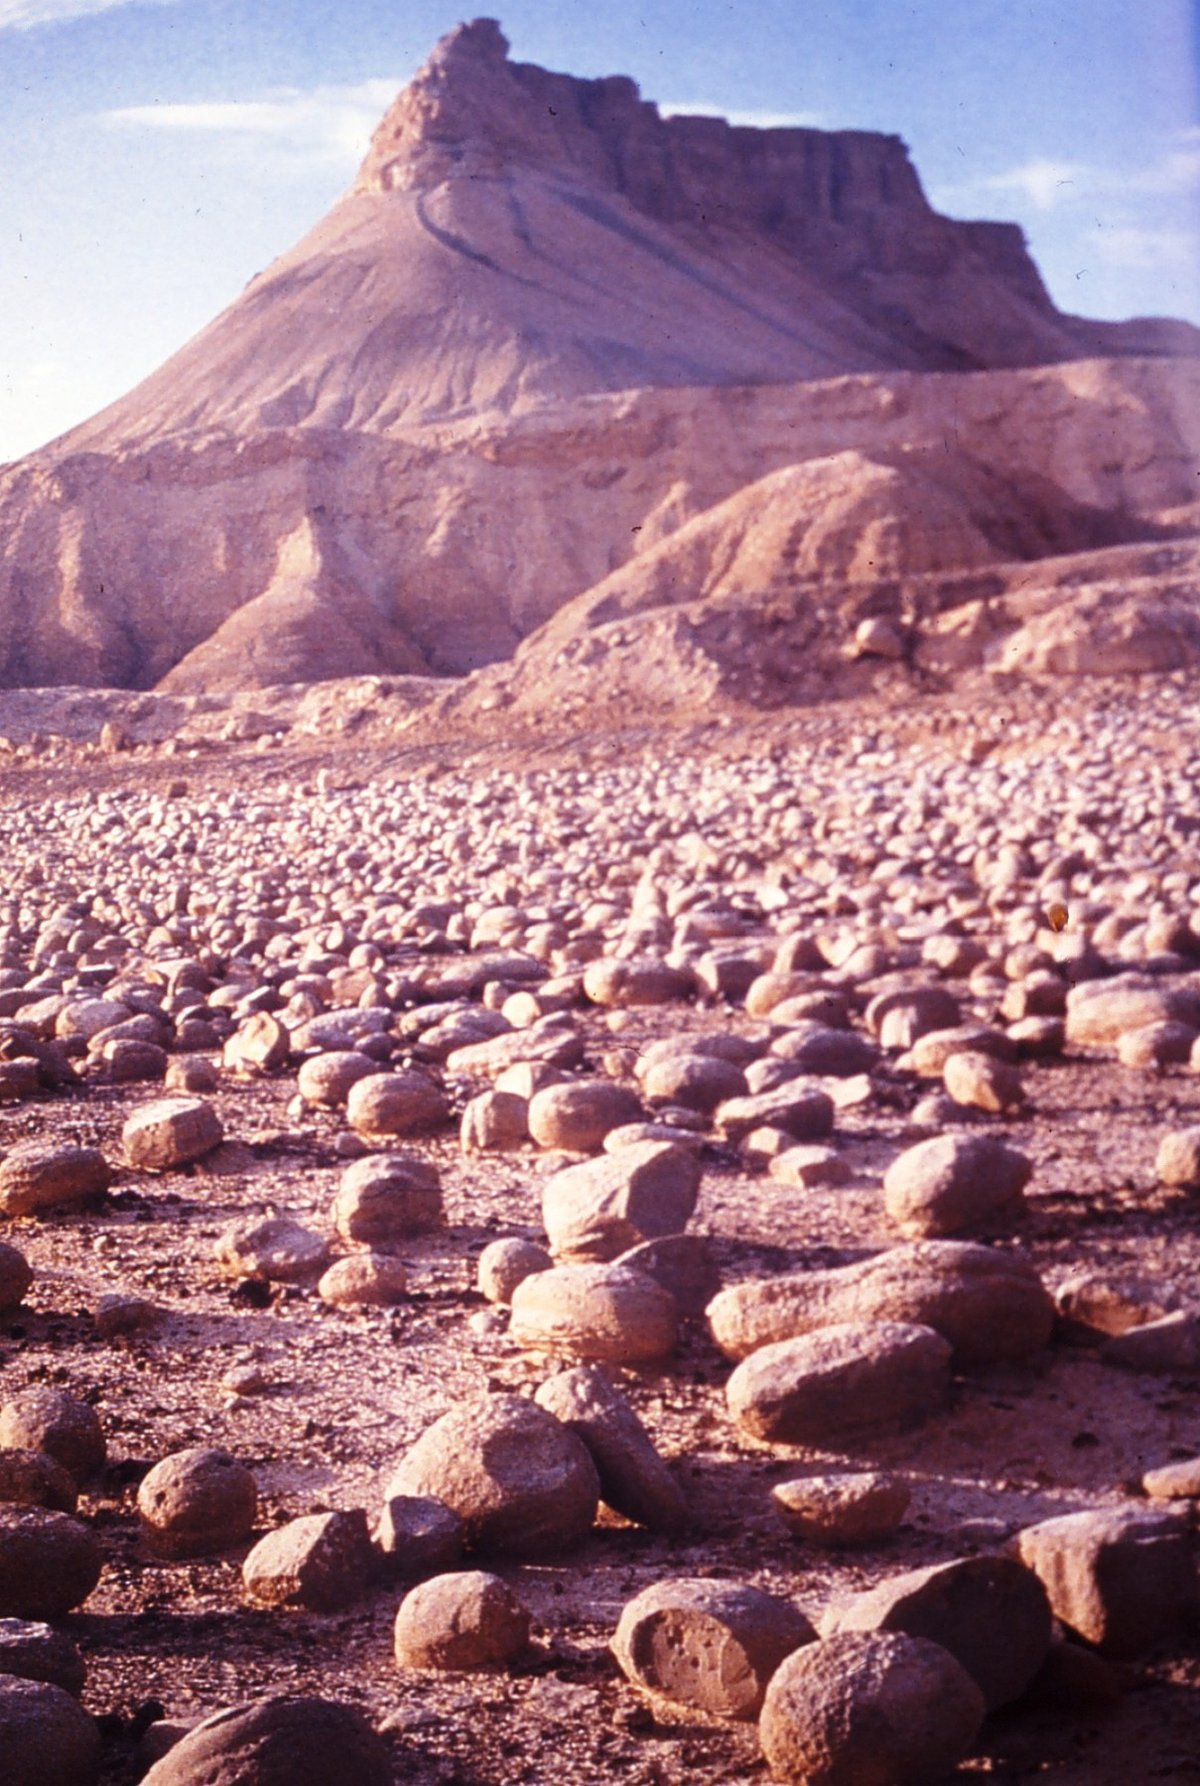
x,y
358,465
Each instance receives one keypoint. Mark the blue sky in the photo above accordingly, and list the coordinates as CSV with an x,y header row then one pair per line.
x,y
155,154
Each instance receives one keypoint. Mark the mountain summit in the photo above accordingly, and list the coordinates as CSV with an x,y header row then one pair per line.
x,y
473,391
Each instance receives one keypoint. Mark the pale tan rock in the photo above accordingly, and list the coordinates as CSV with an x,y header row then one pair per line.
x,y
576,1115
320,1562
852,1507
1178,1158
307,1742
1157,1045
983,1081
276,1248
418,1535
494,1122
712,1645
59,1424
260,1044
956,1184
803,1111
364,1280
990,1304
462,1621
990,1612
49,1563
387,1104
1100,1012
503,1264
634,981
171,1132
384,1199
601,1208
522,1484
808,1166
1092,1303
552,1041
42,1175
190,1073
328,1079
1171,1343
634,1479
897,1019
868,1706
682,1263
695,1081
45,1736
1122,1579
1178,1481
604,1313
197,1501
841,1383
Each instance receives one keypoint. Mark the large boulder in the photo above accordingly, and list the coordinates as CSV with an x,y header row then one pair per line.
x,y
956,1184
712,1645
1121,1578
633,1477
606,1313
841,1383
991,1305
46,1738
601,1208
282,1741
522,1483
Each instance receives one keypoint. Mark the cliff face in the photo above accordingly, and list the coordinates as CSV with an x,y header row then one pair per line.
x,y
462,399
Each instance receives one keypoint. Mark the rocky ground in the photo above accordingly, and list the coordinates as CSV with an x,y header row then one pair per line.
x,y
381,873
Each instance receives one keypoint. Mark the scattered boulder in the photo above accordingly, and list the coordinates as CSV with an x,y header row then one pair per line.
x,y
386,1104
1100,1012
197,1501
709,1644
596,1210
36,1176
49,1563
841,1383
59,1424
802,1111
45,1736
305,1742
606,1313
990,1612
1178,1158
328,1079
990,1305
34,1479
37,1652
861,1707
1122,1579
260,1044
171,1132
695,1081
955,1184
983,1082
494,1122
851,1507
522,1484
418,1535
634,1480
503,1264
466,1620
364,1280
576,1115
384,1199
274,1248
634,981
682,1263
320,1562
1178,1481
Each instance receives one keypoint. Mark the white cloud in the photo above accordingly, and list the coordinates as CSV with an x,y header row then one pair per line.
x,y
1048,185
1137,245
22,15
326,124
756,120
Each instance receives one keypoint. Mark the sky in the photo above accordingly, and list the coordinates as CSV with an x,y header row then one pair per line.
x,y
156,154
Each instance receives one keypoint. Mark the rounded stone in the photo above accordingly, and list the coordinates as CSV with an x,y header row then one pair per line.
x,y
320,1562
1178,1158
983,1082
503,1264
868,1709
35,1479
328,1079
59,1424
466,1620
49,1563
697,1081
364,1280
37,1652
16,1275
576,1115
599,1312
494,1122
841,1383
418,1535
384,1199
46,1738
634,1479
851,1507
955,1184
386,1104
712,1645
282,1741
197,1501
36,1176
601,1208
171,1132
521,1483
276,1248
